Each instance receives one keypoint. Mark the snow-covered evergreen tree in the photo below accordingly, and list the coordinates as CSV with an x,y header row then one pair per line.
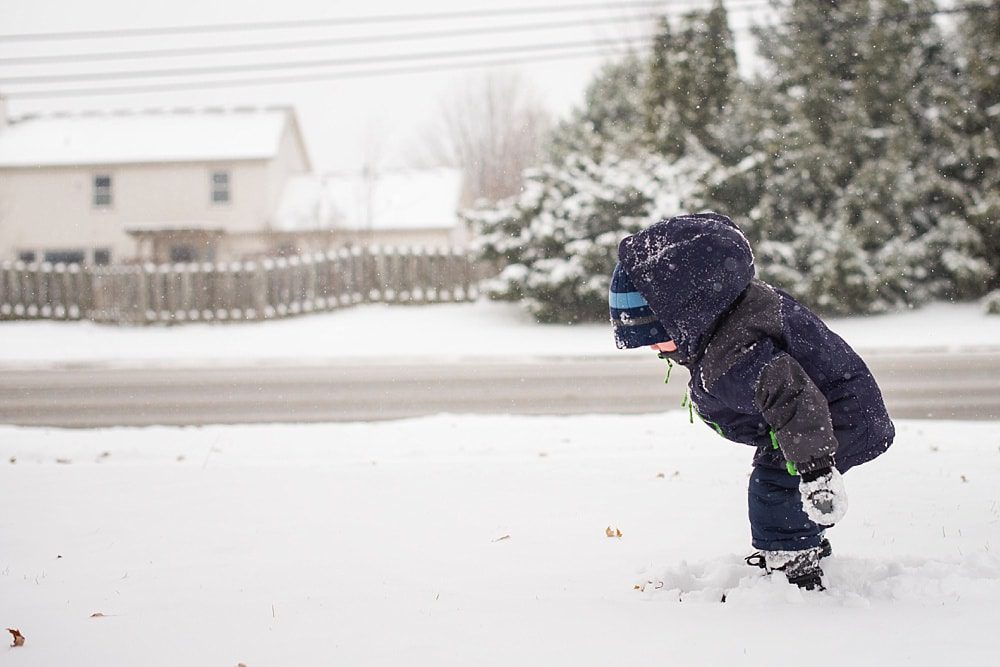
x,y
610,120
664,125
691,78
979,118
864,162
741,131
855,168
632,153
557,242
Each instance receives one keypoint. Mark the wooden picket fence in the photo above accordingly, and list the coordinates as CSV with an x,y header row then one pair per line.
x,y
251,290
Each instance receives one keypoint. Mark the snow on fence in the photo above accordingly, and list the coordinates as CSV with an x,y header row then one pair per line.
x,y
250,290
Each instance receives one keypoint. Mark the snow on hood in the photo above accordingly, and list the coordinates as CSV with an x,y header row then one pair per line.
x,y
691,269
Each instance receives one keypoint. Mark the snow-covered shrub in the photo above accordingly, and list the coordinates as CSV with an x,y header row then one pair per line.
x,y
991,303
556,243
956,254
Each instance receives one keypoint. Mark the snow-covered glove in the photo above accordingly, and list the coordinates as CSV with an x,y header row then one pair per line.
x,y
824,497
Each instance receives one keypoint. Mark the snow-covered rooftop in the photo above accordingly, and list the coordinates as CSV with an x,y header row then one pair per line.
x,y
399,199
127,137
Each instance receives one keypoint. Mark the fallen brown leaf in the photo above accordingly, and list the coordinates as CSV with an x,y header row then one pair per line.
x,y
502,537
97,614
657,585
612,532
18,637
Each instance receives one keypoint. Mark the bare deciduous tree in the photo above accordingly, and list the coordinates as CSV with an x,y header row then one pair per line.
x,y
492,128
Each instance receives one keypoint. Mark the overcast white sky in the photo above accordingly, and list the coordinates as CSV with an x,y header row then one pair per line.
x,y
347,121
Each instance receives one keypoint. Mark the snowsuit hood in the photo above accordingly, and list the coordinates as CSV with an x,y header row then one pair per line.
x,y
691,269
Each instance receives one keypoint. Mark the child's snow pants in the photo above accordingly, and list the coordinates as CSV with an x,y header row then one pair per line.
x,y
777,520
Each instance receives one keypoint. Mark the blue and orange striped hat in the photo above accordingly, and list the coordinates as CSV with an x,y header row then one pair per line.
x,y
635,324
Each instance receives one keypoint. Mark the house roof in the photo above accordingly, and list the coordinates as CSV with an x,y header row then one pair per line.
x,y
398,200
151,136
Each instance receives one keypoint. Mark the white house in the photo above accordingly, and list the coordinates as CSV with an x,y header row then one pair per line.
x,y
184,185
169,185
414,207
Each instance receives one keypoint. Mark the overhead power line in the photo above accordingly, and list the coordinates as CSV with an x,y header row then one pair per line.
x,y
395,37
607,47
685,5
297,64
337,21
351,40
319,76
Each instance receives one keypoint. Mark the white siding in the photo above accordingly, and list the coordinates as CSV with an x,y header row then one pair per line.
x,y
288,162
52,207
47,204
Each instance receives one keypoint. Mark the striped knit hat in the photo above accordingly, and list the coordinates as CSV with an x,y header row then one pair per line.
x,y
634,323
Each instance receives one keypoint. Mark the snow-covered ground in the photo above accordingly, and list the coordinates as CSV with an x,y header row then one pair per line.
x,y
442,331
479,541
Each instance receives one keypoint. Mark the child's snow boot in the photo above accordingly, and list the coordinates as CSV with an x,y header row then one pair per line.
x,y
801,568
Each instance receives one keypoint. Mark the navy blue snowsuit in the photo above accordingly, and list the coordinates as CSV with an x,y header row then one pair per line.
x,y
765,370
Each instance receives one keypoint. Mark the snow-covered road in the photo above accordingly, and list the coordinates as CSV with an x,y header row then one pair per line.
x,y
956,385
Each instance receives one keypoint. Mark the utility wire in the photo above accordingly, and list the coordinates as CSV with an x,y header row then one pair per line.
x,y
314,43
321,76
393,18
361,73
34,79
338,21
243,48
297,64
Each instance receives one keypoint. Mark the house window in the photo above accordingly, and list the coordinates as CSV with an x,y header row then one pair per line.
x,y
102,256
64,256
220,187
182,254
102,191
